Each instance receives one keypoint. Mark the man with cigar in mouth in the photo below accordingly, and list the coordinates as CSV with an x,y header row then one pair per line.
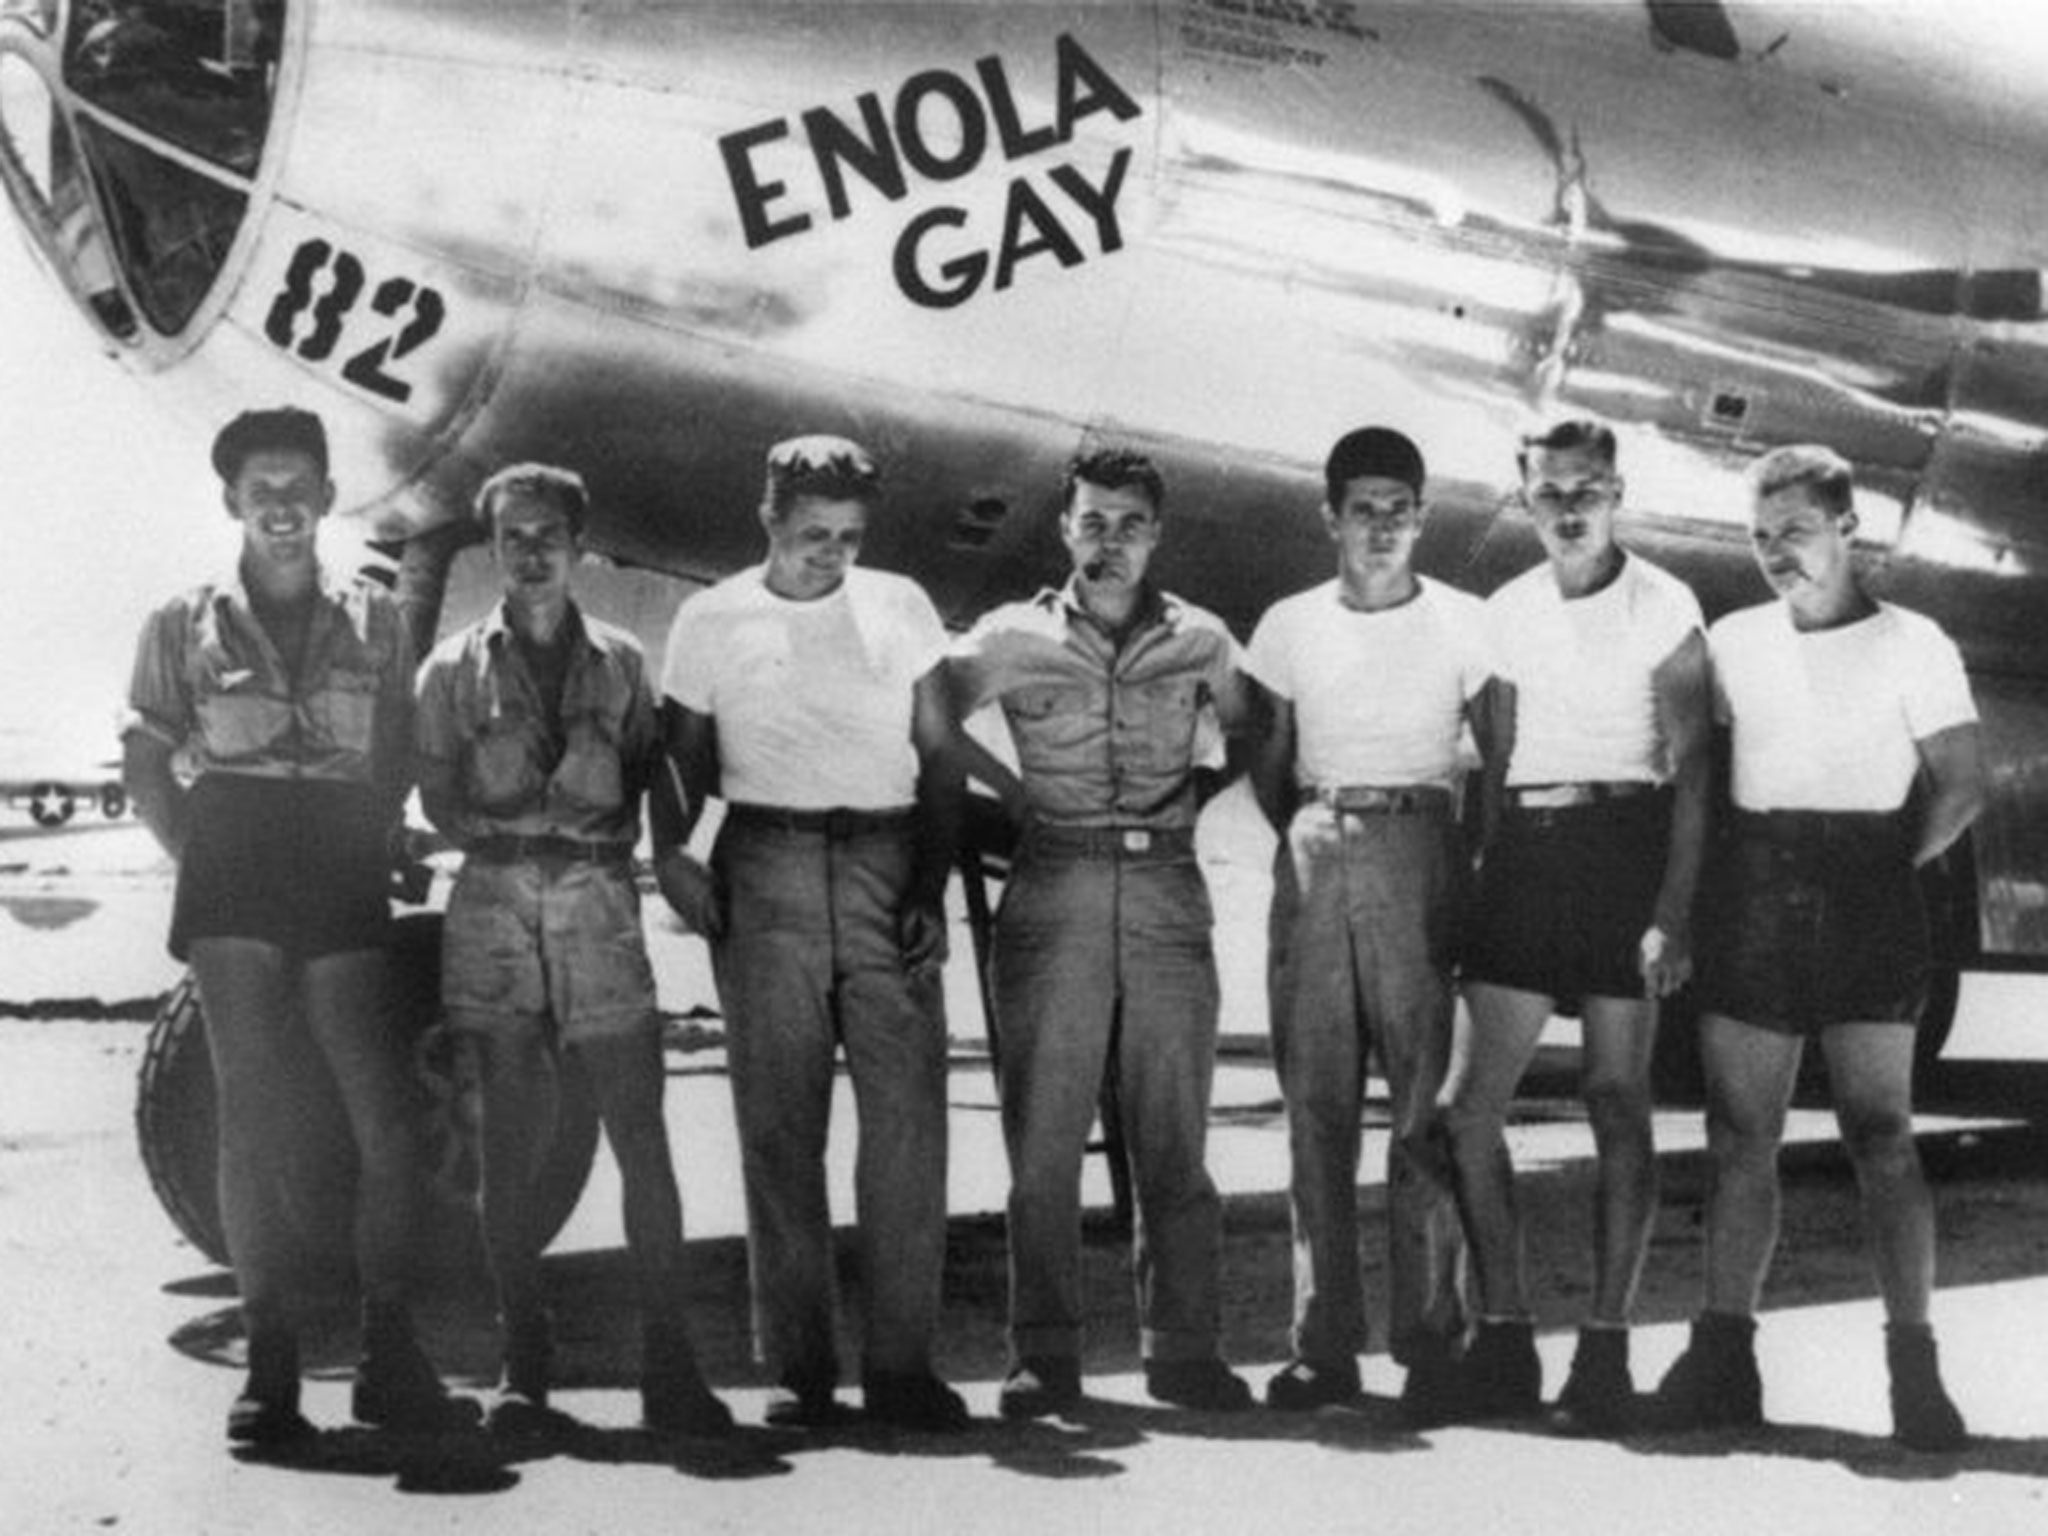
x,y
1113,692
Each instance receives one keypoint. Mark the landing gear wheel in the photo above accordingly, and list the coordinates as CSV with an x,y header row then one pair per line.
x,y
176,1126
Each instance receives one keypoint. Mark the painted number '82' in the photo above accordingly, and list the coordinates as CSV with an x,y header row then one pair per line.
x,y
416,312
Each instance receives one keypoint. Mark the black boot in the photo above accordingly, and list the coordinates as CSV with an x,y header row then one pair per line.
x,y
674,1399
1714,1384
395,1384
1501,1376
267,1412
520,1404
1599,1397
1924,1417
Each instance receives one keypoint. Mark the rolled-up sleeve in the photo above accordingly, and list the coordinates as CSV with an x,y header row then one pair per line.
x,y
159,696
436,732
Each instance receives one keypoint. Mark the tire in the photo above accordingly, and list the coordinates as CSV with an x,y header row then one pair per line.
x,y
176,1124
113,801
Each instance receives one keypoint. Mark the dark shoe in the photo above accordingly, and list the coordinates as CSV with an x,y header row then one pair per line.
x,y
1924,1416
1039,1386
267,1413
1714,1384
514,1416
1206,1384
1434,1393
1302,1384
913,1400
1501,1376
805,1407
396,1387
1599,1397
674,1398
529,1357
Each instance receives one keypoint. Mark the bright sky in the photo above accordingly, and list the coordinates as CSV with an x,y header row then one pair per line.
x,y
109,508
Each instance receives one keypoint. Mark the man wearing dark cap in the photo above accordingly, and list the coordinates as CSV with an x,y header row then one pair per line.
x,y
266,749
1370,680
1597,817
806,692
1113,692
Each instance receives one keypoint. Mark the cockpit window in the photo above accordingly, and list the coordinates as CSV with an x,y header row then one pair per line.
x,y
171,226
197,73
33,137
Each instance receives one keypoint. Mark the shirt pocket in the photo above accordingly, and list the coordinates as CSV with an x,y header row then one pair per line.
x,y
240,719
1051,723
589,775
504,766
343,711
1160,719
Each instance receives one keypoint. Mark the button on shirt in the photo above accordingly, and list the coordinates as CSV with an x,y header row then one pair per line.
x,y
483,737
1379,696
1582,669
209,684
1827,720
813,700
1105,736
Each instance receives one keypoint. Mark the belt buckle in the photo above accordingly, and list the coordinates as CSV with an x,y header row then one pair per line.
x,y
1137,840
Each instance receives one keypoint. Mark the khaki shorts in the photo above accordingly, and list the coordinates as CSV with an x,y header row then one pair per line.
x,y
548,946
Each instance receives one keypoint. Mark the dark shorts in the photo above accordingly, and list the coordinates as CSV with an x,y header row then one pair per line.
x,y
1813,918
1564,898
299,863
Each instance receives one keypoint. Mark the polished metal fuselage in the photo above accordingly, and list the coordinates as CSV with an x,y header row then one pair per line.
x,y
976,236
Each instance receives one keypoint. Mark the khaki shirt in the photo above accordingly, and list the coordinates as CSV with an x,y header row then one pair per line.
x,y
210,685
483,742
1105,736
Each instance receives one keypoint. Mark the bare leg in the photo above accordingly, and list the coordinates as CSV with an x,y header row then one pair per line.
x,y
351,1012
249,992
1619,1034
1750,1074
1491,1050
1871,1069
521,1101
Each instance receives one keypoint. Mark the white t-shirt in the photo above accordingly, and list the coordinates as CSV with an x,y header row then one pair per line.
x,y
1379,697
1585,709
1826,720
813,700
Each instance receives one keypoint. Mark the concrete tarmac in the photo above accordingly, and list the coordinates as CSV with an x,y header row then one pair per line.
x,y
120,1344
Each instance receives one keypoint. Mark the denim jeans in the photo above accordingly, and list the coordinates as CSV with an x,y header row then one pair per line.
x,y
1095,955
810,960
1359,960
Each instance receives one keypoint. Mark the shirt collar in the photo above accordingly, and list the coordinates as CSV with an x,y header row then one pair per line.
x,y
1154,606
498,628
334,590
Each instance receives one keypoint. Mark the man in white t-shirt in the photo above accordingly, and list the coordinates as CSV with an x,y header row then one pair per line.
x,y
1812,926
807,693
1584,903
1369,681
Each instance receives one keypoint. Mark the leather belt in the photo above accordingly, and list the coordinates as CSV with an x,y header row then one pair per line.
x,y
1811,827
509,848
1109,842
1562,797
1378,800
836,823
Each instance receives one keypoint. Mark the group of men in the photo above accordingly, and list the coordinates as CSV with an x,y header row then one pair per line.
x,y
277,723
